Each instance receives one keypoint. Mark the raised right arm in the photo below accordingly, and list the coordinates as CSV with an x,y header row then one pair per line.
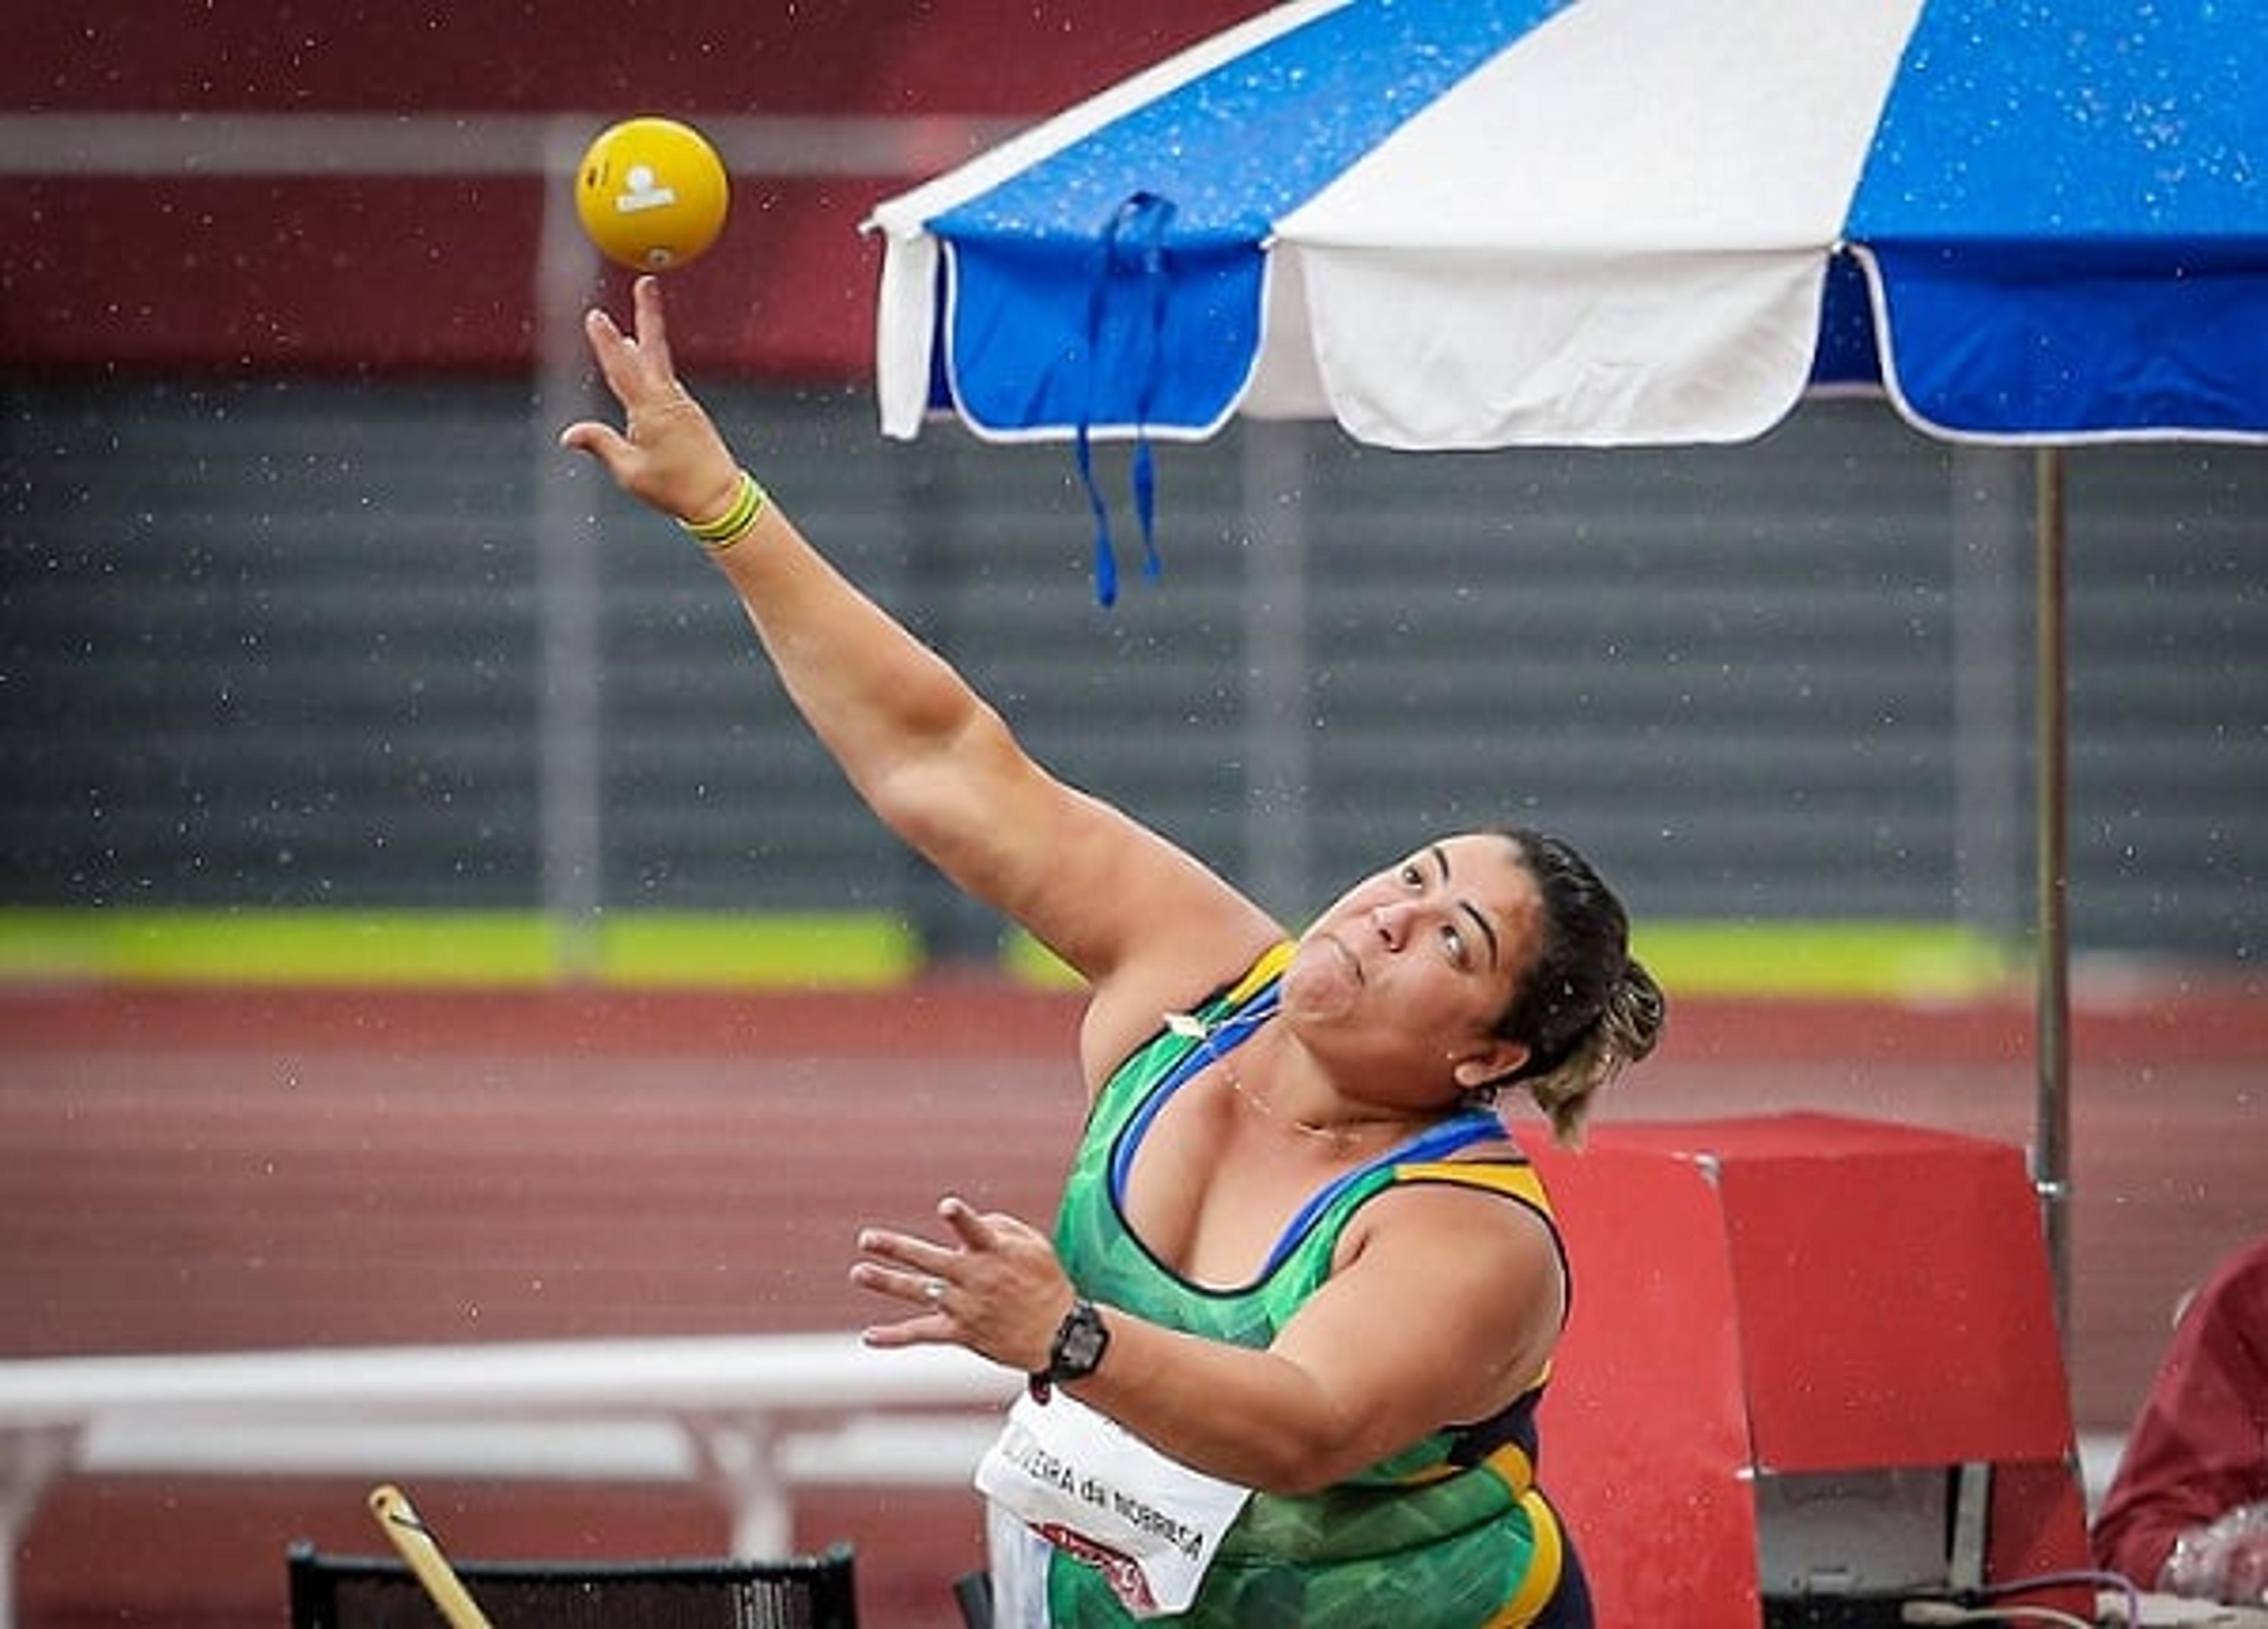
x,y
1143,922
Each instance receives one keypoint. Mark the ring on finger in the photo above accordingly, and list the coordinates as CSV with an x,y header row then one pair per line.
x,y
933,1291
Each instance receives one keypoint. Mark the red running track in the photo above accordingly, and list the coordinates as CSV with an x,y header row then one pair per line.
x,y
188,1171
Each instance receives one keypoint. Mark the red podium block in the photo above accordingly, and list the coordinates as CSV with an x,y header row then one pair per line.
x,y
1783,1314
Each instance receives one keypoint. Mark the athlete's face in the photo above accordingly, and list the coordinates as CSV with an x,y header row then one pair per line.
x,y
1422,958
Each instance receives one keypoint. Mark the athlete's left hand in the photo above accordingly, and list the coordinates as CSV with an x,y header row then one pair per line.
x,y
994,1285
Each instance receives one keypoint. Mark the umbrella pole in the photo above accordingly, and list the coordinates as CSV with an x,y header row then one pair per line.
x,y
2051,1151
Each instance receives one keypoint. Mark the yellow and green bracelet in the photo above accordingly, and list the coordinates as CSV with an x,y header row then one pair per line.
x,y
738,518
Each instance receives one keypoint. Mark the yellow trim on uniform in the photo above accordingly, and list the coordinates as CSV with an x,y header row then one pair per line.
x,y
1543,1568
1272,960
1508,1465
1511,1465
1519,1182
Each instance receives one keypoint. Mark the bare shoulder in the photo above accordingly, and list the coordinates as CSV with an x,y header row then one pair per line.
x,y
1479,1233
1171,973
1471,1280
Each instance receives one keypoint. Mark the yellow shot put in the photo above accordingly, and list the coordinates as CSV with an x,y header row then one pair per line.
x,y
652,194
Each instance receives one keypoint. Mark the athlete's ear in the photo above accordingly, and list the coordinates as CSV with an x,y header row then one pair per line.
x,y
1490,1062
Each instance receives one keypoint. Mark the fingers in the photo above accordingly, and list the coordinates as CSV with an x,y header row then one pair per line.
x,y
667,453
633,366
888,1336
917,1289
993,1284
974,1232
610,348
602,442
926,1292
969,1230
652,326
906,1250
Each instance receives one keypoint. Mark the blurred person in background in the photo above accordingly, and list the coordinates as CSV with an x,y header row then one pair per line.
x,y
2187,1511
1301,1299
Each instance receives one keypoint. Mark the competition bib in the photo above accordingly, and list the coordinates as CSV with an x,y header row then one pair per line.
x,y
1092,1490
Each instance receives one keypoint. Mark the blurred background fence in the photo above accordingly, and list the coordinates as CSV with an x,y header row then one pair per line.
x,y
281,642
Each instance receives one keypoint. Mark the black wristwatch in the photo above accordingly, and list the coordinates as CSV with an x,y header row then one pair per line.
x,y
1081,1339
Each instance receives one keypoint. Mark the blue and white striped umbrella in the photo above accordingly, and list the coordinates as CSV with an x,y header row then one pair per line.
x,y
1492,223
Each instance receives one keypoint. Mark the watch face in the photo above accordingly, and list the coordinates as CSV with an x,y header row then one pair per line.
x,y
1079,1343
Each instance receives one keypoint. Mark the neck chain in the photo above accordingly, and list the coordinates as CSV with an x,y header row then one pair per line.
x,y
1339,1137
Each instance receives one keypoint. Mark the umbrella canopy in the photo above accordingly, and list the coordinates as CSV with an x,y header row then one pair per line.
x,y
1468,224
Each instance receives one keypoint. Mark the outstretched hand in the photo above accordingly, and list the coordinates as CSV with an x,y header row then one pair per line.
x,y
996,1288
669,452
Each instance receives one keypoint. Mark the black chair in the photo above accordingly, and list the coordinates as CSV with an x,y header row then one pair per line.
x,y
363,1592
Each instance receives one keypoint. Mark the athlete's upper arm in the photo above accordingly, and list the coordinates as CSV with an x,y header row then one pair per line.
x,y
1472,1285
1145,923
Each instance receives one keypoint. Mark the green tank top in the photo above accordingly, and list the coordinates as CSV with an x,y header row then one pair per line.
x,y
1447,1534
